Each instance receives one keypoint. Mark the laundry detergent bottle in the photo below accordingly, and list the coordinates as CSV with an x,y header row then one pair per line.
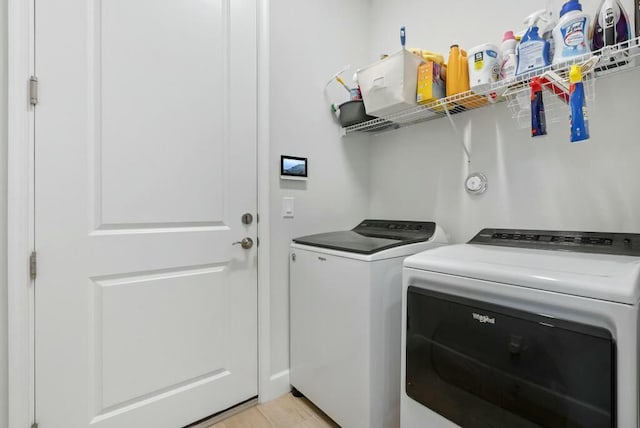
x,y
457,71
571,35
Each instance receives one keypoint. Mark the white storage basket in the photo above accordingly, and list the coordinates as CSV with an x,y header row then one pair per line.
x,y
389,85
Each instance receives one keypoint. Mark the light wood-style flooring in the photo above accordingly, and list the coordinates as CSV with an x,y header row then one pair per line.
x,y
284,412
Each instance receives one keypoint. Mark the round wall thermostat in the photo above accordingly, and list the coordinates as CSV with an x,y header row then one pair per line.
x,y
476,183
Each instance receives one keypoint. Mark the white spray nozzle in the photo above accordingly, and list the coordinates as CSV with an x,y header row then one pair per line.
x,y
543,19
540,19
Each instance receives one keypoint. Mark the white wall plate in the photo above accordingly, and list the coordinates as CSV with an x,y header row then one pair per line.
x,y
476,183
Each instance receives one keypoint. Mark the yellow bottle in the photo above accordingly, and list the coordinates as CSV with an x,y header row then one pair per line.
x,y
457,71
457,76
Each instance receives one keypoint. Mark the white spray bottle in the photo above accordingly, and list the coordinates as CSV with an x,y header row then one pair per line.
x,y
545,21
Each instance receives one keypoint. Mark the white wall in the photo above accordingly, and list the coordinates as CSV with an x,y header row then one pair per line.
x,y
310,41
533,183
3,214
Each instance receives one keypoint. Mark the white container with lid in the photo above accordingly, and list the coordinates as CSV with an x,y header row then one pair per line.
x,y
485,64
390,85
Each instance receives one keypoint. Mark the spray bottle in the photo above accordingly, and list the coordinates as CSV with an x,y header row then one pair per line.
x,y
538,119
545,21
578,120
532,52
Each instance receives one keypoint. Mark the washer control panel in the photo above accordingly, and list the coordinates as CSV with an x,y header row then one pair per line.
x,y
394,225
586,242
394,229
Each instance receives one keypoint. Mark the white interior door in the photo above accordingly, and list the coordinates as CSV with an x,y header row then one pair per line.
x,y
146,315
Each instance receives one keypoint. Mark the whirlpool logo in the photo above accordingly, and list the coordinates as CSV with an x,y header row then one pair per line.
x,y
484,319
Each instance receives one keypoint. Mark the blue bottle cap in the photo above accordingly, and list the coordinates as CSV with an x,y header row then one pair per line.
x,y
570,6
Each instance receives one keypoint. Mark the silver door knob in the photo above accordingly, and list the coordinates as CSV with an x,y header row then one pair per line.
x,y
246,243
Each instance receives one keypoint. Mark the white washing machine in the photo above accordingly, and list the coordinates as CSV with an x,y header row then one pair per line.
x,y
522,329
345,305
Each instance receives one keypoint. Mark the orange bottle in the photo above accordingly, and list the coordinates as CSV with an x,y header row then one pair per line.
x,y
457,71
458,81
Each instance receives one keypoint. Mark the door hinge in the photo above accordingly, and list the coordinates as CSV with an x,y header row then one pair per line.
x,y
33,265
33,90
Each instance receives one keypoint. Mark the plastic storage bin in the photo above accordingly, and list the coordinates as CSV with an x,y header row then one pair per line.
x,y
389,85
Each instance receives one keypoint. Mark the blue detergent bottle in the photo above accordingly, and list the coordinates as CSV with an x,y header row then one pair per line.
x,y
578,120
533,52
571,35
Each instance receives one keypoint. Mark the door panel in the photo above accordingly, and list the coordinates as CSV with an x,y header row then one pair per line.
x,y
155,111
145,162
171,313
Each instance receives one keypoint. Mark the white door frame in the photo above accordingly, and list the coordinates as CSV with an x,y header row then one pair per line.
x,y
21,211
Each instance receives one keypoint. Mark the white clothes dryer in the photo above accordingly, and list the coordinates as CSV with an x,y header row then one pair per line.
x,y
345,303
521,328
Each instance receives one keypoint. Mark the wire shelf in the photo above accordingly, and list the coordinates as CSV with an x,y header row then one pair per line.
x,y
556,107
516,92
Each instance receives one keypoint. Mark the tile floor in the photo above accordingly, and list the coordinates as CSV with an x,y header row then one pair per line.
x,y
284,412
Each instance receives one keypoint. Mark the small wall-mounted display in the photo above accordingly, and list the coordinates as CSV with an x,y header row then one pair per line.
x,y
293,168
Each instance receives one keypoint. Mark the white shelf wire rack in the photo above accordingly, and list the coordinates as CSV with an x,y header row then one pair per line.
x,y
515,91
556,106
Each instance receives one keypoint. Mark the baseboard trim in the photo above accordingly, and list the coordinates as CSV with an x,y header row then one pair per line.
x,y
279,384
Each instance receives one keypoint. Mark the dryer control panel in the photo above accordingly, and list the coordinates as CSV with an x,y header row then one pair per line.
x,y
584,242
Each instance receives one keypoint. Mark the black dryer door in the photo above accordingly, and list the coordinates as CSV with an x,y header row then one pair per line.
x,y
483,365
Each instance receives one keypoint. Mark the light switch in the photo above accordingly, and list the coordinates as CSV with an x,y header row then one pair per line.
x,y
287,207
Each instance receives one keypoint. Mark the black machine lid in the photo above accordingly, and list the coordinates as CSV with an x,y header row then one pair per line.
x,y
623,244
372,236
